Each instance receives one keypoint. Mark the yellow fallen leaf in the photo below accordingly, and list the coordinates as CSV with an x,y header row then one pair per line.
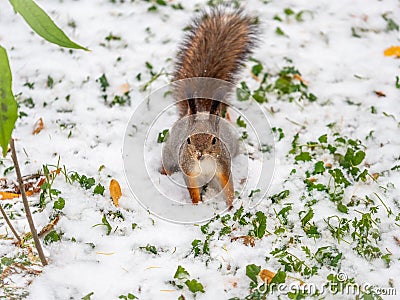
x,y
115,191
7,195
392,51
38,126
266,275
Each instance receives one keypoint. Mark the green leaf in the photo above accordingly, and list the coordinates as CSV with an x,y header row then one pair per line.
x,y
41,23
323,138
319,168
358,158
181,273
303,156
99,189
52,237
240,122
194,286
279,277
342,208
307,217
150,248
8,105
59,204
257,69
252,272
260,224
162,136
280,196
243,93
104,222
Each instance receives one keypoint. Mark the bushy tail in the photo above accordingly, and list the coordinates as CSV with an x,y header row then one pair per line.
x,y
217,44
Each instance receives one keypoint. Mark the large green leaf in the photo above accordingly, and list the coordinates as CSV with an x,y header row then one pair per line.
x,y
8,105
41,23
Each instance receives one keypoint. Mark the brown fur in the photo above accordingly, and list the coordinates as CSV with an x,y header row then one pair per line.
x,y
218,43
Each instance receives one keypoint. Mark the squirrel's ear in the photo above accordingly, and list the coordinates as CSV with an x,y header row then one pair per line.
x,y
192,106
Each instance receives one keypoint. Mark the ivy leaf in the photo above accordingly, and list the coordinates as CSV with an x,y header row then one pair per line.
x,y
252,272
181,273
59,204
99,189
8,105
42,24
194,286
319,168
303,156
52,237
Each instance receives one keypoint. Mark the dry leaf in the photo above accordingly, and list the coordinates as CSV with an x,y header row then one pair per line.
x,y
38,126
50,226
115,191
7,195
266,275
299,78
397,240
392,51
328,165
380,93
375,176
247,240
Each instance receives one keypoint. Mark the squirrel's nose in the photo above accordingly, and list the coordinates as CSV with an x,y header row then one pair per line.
x,y
200,156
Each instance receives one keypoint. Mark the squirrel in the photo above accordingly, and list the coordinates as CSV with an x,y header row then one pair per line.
x,y
218,43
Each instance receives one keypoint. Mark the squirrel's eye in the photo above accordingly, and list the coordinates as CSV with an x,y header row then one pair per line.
x,y
188,140
214,140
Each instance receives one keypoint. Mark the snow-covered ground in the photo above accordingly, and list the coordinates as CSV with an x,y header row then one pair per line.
x,y
337,46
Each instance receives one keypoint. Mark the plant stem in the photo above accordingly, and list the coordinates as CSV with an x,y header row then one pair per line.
x,y
26,205
10,225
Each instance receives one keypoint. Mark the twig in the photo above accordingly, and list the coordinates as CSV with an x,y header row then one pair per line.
x,y
26,205
9,224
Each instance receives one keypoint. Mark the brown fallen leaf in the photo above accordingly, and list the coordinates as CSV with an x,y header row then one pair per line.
x,y
39,125
328,165
247,240
375,176
115,191
50,226
266,275
380,93
392,51
397,240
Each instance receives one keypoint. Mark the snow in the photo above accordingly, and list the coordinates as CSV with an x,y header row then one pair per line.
x,y
338,67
